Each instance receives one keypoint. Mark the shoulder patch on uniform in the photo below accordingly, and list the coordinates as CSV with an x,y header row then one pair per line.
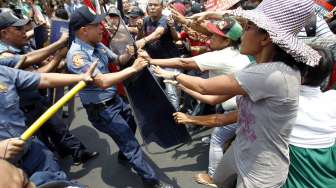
x,y
77,60
3,88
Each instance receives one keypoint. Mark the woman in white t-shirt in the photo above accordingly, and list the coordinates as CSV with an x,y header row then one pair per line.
x,y
268,102
312,140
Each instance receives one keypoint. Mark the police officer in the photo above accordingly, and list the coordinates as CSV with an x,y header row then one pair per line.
x,y
36,160
13,40
105,109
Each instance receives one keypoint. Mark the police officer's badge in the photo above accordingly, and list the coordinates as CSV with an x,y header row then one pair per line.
x,y
3,88
77,61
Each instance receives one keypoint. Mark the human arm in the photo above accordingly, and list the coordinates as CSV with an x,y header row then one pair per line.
x,y
208,15
37,56
181,63
53,64
159,31
197,26
107,80
208,99
155,35
220,85
10,148
213,120
172,29
51,80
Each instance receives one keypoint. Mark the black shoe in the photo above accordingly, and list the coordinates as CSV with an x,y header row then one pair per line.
x,y
159,184
84,156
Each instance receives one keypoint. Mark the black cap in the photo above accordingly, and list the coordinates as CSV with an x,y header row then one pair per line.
x,y
84,16
7,19
135,12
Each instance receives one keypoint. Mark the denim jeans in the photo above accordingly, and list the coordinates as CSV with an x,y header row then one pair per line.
x,y
41,165
219,137
117,121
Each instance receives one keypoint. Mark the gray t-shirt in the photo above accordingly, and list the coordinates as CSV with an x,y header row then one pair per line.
x,y
266,116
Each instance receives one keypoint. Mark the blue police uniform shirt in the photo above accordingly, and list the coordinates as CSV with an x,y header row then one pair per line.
x,y
8,48
12,121
10,61
79,58
11,49
26,97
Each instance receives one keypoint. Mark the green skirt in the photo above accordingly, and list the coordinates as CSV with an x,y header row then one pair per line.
x,y
311,168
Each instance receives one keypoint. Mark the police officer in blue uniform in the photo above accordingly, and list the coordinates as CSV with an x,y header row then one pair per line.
x,y
37,160
105,109
13,41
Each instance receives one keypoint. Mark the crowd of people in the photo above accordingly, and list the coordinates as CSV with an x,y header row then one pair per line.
x,y
260,73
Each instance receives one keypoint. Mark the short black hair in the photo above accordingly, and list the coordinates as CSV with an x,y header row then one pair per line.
x,y
62,13
315,76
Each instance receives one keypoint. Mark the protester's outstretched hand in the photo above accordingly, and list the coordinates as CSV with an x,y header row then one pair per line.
x,y
163,73
170,21
139,24
10,148
139,64
200,16
177,16
89,74
181,118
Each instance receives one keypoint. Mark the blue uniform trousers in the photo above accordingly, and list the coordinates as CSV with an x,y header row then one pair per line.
x,y
117,121
40,164
54,129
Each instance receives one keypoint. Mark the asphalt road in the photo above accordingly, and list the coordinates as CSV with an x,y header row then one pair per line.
x,y
175,166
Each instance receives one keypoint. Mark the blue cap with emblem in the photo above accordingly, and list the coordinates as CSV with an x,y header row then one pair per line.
x,y
7,19
84,16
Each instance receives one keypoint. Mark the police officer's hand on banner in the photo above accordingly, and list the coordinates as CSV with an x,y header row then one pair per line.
x,y
10,148
139,64
90,73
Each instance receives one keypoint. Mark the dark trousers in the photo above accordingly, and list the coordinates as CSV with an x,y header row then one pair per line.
x,y
117,121
54,130
40,164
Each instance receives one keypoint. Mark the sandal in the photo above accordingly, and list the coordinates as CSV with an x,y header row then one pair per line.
x,y
204,179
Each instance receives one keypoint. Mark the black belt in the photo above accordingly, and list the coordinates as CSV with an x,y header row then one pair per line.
x,y
104,104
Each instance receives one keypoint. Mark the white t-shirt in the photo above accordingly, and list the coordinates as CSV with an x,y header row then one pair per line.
x,y
222,62
316,120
